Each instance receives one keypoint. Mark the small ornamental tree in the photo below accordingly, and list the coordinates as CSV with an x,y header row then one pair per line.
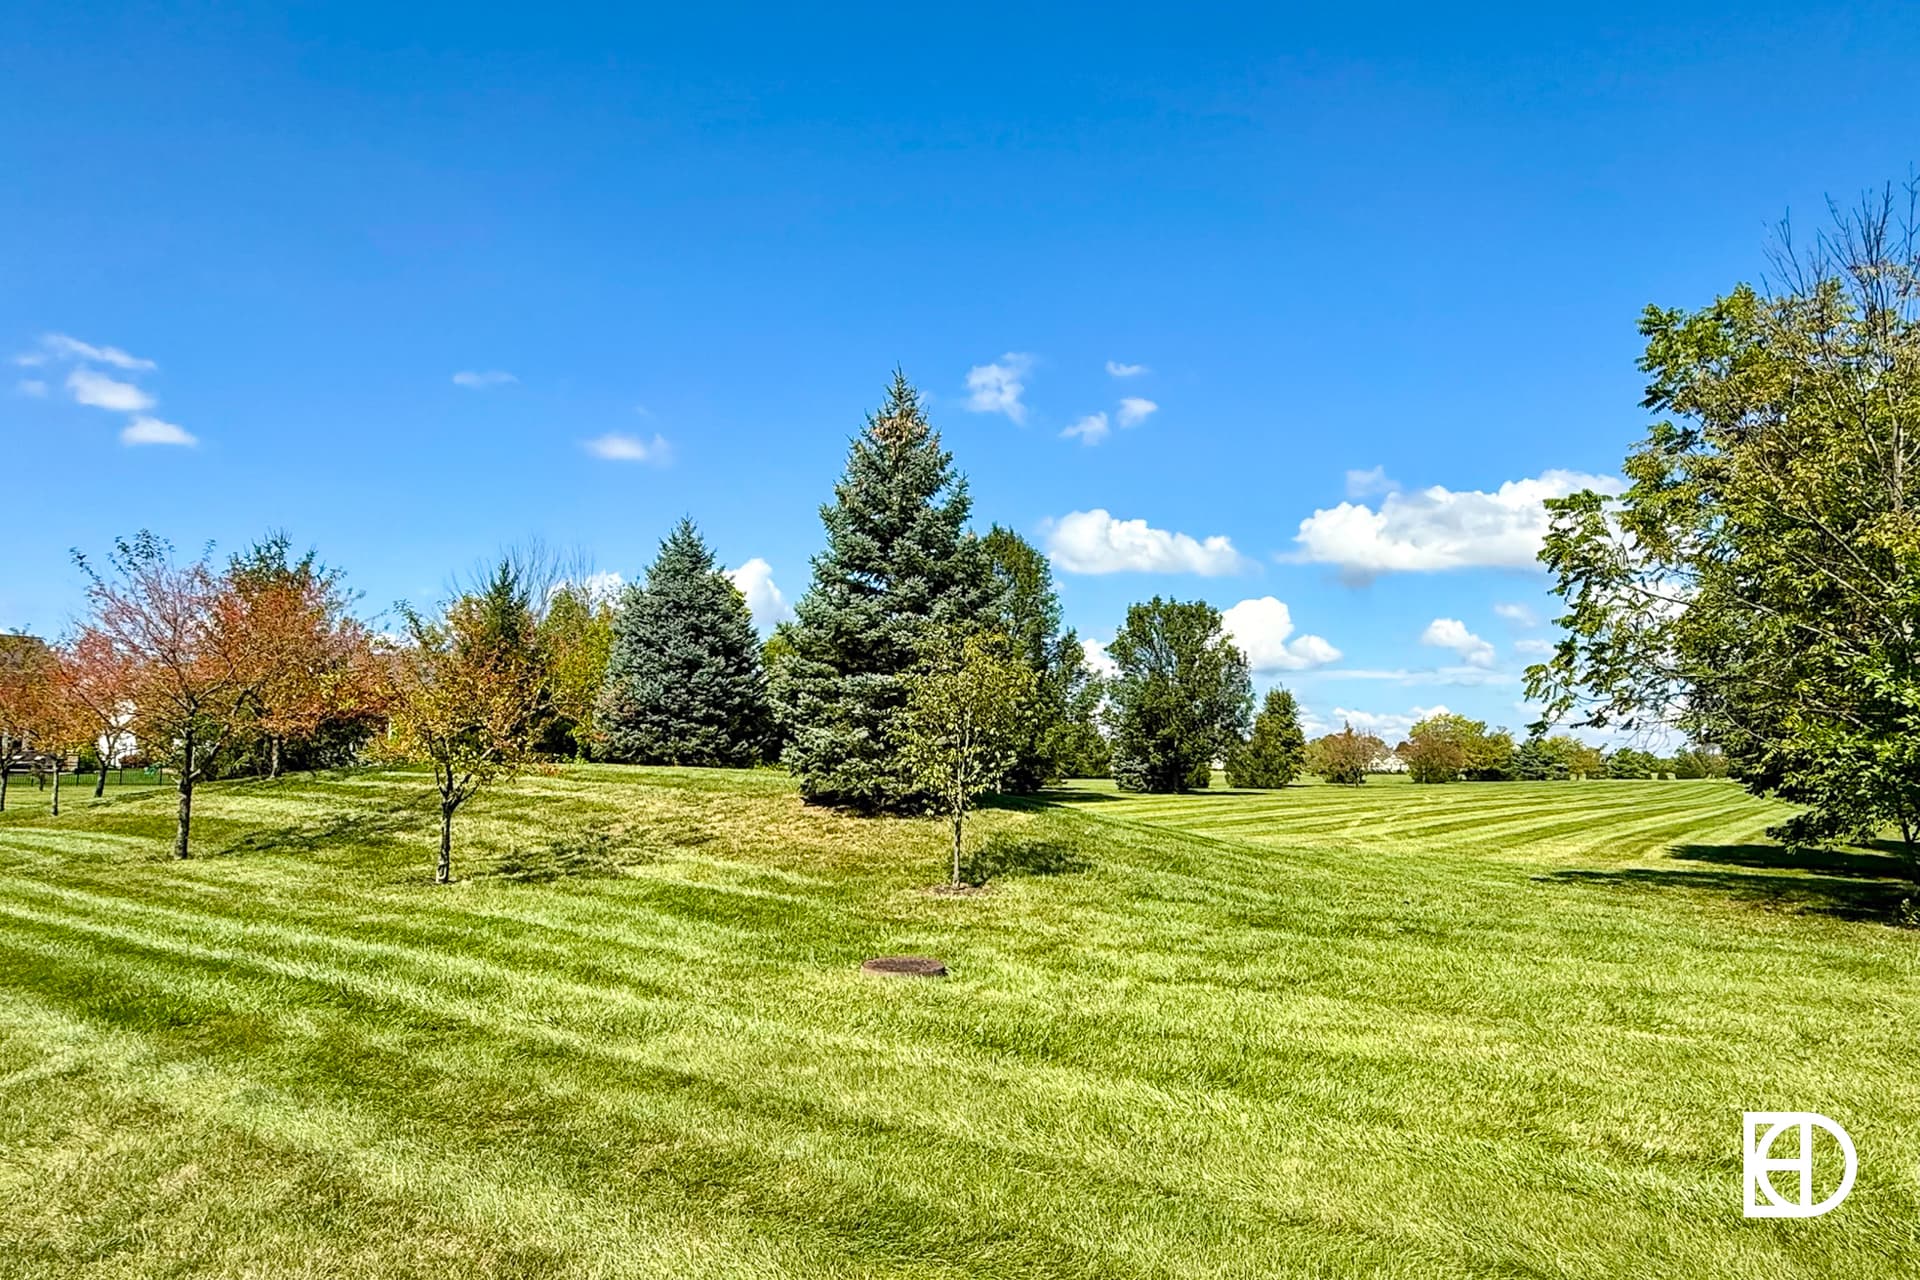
x,y
467,699
1344,758
685,682
965,721
1276,752
26,676
1181,697
97,681
180,625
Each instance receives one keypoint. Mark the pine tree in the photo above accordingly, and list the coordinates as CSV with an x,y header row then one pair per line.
x,y
684,684
898,559
1028,613
1276,753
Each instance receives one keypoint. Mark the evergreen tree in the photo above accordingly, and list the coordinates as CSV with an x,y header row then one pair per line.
x,y
898,559
685,684
1277,752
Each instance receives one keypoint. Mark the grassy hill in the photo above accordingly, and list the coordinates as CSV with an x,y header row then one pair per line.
x,y
1500,1030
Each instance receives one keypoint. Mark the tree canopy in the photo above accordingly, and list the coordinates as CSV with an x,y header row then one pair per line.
x,y
1181,698
1276,752
1758,583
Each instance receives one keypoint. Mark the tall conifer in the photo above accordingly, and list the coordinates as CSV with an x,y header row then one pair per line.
x,y
685,684
898,559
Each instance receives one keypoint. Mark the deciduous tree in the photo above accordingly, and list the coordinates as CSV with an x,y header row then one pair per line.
x,y
179,625
964,722
1181,698
1345,757
468,697
26,676
1758,584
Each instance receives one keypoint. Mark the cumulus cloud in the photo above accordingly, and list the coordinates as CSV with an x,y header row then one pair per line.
x,y
31,387
1389,725
997,387
145,430
1262,629
1533,648
480,380
1440,528
764,600
102,392
1097,660
1451,633
1369,483
1118,370
58,346
1519,615
1095,542
1091,429
622,448
1135,410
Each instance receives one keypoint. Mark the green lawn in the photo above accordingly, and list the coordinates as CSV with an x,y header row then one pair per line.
x,y
1486,1030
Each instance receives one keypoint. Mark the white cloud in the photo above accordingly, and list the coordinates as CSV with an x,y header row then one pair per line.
x,y
1451,633
603,587
1439,528
145,430
60,346
1389,726
1097,660
1533,648
997,387
1519,615
1261,628
102,392
1091,429
1095,542
764,600
621,448
1119,370
480,380
1370,483
1135,410
31,387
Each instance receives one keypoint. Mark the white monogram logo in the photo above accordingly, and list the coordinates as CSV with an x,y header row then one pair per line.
x,y
1763,1199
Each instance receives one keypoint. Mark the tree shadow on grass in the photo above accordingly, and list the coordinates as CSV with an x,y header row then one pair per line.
x,y
581,855
1848,898
346,829
1023,855
1863,864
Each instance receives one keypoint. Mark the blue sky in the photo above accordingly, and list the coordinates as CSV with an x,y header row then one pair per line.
x,y
1358,253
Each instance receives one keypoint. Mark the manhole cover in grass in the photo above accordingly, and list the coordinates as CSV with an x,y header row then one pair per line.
x,y
906,966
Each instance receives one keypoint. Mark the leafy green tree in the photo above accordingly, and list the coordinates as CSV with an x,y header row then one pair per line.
x,y
1027,612
898,561
1628,762
1759,581
964,722
1084,749
1277,750
1580,759
1344,758
1700,762
1440,747
1181,698
576,638
685,683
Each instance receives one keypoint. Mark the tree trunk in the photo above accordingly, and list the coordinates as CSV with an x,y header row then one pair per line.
x,y
100,787
273,767
959,816
444,872
56,787
186,801
5,770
